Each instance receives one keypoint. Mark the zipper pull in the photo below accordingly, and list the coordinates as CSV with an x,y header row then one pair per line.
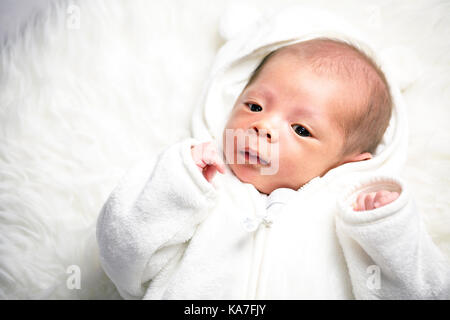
x,y
267,221
251,224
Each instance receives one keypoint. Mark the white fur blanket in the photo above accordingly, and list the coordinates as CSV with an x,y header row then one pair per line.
x,y
89,86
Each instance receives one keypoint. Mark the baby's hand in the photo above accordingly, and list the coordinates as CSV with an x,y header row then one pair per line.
x,y
373,200
208,161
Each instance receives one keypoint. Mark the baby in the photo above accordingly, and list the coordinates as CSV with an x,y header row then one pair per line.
x,y
323,102
173,229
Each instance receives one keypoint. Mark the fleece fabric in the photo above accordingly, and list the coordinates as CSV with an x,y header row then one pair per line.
x,y
166,233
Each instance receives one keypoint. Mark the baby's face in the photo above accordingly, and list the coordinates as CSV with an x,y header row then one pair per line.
x,y
298,110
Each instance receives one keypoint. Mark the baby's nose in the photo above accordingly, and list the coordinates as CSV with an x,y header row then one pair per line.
x,y
262,132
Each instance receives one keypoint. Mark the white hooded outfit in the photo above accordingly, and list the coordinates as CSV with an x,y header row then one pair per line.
x,y
167,233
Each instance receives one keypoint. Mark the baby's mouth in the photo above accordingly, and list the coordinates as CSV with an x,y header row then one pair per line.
x,y
251,155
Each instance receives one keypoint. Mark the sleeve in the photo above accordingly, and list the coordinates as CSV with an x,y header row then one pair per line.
x,y
388,251
149,217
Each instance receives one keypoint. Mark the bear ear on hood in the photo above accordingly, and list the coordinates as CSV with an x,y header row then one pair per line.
x,y
237,17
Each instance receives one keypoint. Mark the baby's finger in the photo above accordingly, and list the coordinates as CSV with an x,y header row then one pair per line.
x,y
219,164
212,158
210,171
360,202
379,198
198,154
368,201
212,168
209,153
391,197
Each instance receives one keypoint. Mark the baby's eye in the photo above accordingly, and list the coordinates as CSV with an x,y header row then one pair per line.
x,y
301,131
254,107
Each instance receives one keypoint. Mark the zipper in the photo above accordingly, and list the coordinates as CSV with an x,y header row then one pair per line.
x,y
265,235
261,236
253,224
259,244
260,229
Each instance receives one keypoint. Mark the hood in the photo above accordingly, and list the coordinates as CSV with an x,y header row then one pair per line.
x,y
245,48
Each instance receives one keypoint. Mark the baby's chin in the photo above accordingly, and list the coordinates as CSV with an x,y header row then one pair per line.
x,y
252,175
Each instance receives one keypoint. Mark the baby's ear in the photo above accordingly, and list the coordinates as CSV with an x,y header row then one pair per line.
x,y
358,157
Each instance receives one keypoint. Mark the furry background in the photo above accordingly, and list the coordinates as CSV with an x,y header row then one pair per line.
x,y
87,87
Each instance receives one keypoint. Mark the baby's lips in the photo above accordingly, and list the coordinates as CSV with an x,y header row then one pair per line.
x,y
266,153
262,159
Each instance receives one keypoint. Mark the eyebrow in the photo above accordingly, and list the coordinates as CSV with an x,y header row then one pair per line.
x,y
308,114
270,97
307,111
264,92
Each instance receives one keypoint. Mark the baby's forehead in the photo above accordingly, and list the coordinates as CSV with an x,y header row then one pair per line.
x,y
356,75
338,61
329,58
323,75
